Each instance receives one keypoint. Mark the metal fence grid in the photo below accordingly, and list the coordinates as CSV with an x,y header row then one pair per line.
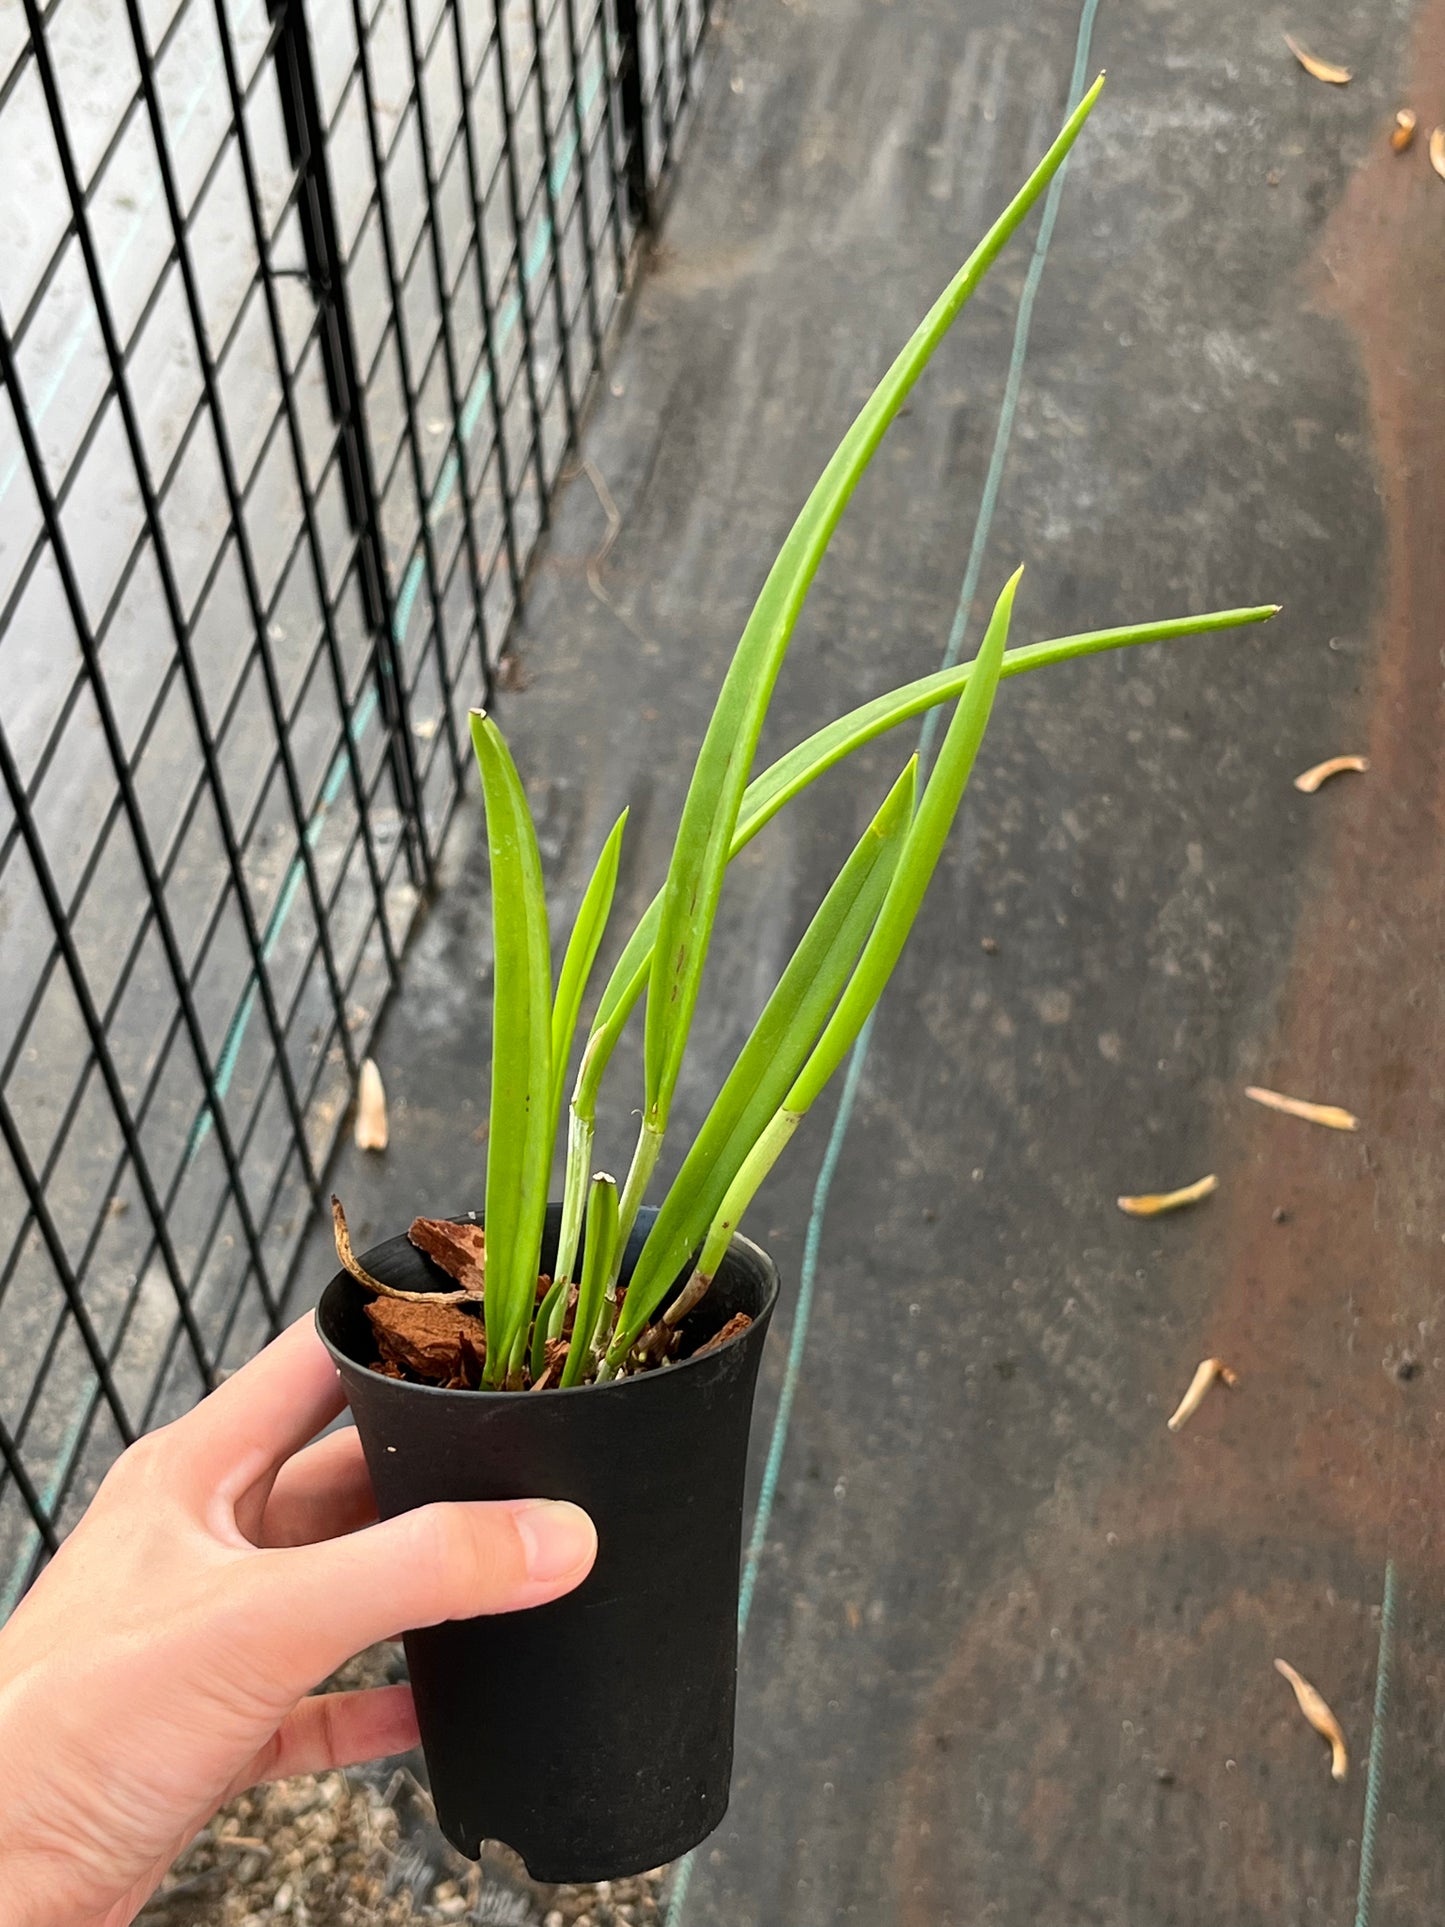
x,y
299,307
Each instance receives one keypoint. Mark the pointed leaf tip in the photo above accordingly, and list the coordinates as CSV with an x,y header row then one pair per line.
x,y
1003,608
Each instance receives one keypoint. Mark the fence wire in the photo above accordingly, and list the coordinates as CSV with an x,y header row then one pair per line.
x,y
300,305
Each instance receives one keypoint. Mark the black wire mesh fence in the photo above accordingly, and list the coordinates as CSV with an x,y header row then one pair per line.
x,y
299,306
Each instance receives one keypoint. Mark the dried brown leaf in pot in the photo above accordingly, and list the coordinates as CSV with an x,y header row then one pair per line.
x,y
345,1257
350,1262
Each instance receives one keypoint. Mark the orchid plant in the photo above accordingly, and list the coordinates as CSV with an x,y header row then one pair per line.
x,y
585,1327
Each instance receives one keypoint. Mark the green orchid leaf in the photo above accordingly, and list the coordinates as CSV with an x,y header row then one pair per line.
x,y
818,753
710,812
775,1051
942,794
826,747
917,861
591,921
519,1145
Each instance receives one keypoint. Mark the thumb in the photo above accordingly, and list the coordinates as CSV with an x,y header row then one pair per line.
x,y
311,1607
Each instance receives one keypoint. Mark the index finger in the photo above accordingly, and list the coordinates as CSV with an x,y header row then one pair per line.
x,y
263,1413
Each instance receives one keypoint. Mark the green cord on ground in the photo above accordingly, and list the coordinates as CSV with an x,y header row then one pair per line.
x,y
1376,1771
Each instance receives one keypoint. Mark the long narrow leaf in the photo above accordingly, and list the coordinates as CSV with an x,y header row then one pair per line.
x,y
780,1041
715,794
519,1149
818,753
592,914
927,834
922,847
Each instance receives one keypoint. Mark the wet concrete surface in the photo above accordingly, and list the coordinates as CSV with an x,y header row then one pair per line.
x,y
1010,1658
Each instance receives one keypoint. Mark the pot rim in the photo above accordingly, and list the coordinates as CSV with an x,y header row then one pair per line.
x,y
735,1243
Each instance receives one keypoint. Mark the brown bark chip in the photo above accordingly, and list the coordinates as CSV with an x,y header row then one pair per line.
x,y
460,1250
739,1322
439,1343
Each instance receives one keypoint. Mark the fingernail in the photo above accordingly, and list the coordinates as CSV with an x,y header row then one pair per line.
x,y
556,1537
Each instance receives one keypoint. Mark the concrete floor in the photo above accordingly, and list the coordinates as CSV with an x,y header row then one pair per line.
x,y
1010,1658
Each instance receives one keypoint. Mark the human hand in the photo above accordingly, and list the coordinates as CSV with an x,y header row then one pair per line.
x,y
162,1661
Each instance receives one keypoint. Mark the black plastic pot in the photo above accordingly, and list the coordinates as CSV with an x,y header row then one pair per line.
x,y
595,1734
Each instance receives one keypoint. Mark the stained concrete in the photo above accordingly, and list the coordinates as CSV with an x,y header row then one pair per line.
x,y
1010,1658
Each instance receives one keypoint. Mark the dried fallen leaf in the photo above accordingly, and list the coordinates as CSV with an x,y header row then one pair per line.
x,y
350,1262
1154,1204
1312,1705
1321,69
1403,131
371,1128
1203,1378
460,1250
1327,1114
1309,780
1437,151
